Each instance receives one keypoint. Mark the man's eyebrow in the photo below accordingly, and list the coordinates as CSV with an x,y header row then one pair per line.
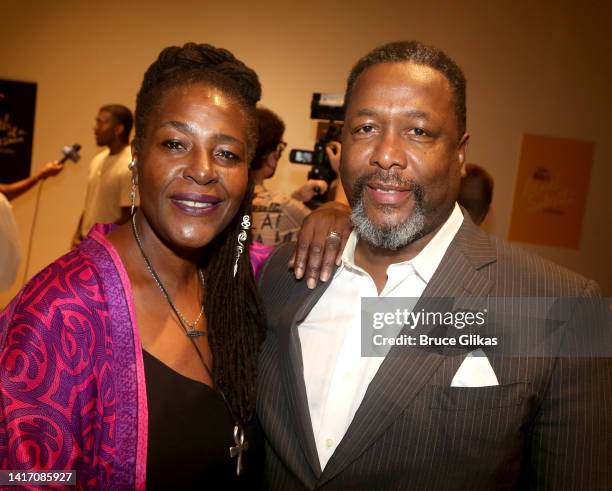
x,y
190,129
411,113
415,113
366,112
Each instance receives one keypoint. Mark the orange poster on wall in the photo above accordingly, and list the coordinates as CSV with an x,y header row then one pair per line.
x,y
551,191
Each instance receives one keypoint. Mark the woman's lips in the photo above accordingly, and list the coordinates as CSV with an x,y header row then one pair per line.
x,y
196,204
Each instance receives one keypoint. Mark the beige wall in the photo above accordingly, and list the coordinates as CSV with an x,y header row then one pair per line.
x,y
537,67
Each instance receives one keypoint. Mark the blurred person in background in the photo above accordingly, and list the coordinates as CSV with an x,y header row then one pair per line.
x,y
108,185
476,192
9,245
9,236
277,217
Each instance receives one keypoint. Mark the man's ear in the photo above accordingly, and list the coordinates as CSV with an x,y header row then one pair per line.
x,y
462,153
118,130
271,161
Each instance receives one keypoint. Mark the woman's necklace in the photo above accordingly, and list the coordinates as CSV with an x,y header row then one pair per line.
x,y
189,327
241,444
240,441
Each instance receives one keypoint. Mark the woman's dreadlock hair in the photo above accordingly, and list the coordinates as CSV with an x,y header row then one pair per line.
x,y
233,310
234,315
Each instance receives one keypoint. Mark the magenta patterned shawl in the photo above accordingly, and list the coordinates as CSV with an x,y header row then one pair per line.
x,y
72,391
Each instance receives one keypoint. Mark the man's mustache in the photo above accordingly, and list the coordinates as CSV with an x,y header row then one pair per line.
x,y
382,177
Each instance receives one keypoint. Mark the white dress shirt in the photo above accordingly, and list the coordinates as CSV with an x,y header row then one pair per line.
x,y
335,374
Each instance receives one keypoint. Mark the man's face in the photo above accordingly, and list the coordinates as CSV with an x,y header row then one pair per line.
x,y
402,155
105,128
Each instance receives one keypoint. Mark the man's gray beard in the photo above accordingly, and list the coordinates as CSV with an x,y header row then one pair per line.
x,y
387,236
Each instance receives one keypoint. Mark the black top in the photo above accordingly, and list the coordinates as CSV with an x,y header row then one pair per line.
x,y
190,433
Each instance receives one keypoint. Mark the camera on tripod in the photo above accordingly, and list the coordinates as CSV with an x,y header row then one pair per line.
x,y
329,107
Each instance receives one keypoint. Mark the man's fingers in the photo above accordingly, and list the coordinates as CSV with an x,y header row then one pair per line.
x,y
320,243
301,254
332,250
345,237
302,247
313,267
322,257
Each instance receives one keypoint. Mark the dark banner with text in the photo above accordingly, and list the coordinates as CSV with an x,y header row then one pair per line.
x,y
17,108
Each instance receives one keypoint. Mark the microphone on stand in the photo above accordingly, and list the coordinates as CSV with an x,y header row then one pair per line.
x,y
71,153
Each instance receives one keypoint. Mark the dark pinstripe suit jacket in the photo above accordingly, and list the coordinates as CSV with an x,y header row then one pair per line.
x,y
546,426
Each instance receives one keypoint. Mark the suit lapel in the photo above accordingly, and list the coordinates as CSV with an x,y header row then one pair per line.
x,y
402,376
293,373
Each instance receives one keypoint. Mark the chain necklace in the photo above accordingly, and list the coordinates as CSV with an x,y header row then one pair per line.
x,y
241,444
189,327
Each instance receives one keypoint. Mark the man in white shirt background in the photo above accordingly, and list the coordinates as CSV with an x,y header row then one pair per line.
x,y
467,419
109,182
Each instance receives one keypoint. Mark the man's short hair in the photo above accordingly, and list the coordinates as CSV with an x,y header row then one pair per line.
x,y
122,116
420,54
476,192
271,130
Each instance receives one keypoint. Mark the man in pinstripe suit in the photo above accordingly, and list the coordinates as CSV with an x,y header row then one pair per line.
x,y
433,418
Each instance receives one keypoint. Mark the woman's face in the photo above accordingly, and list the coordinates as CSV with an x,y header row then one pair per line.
x,y
192,165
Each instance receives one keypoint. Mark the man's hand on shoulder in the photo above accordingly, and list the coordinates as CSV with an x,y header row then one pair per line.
x,y
320,243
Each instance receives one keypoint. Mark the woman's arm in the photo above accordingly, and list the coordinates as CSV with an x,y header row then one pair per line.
x,y
16,189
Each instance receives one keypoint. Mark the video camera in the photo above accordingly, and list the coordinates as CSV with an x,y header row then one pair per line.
x,y
328,107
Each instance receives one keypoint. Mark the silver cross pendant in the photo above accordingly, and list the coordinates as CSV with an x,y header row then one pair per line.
x,y
241,446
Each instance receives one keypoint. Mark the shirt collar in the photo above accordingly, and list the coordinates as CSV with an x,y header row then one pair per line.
x,y
425,262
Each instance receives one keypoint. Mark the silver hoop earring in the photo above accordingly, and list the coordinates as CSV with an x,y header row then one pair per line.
x,y
132,167
242,237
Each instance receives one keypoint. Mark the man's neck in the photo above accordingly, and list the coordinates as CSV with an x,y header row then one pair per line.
x,y
116,147
375,260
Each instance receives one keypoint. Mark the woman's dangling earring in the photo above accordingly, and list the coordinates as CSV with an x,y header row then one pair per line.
x,y
132,167
242,237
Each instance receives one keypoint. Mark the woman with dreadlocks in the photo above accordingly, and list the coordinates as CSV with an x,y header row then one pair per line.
x,y
132,360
